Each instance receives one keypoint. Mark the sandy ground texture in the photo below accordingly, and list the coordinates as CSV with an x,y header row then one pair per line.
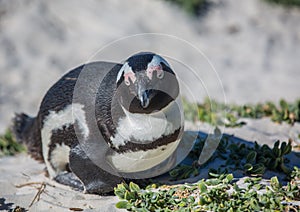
x,y
253,46
22,178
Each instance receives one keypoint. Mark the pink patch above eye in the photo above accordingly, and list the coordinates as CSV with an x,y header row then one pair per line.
x,y
129,75
158,69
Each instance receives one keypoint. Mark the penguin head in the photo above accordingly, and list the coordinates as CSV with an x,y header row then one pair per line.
x,y
146,83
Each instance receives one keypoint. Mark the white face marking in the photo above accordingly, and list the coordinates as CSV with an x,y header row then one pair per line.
x,y
128,74
142,160
56,120
148,127
60,157
155,65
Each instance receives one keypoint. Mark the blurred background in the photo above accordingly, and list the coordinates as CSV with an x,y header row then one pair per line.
x,y
254,45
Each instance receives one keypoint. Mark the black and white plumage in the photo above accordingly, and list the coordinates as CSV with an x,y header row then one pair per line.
x,y
133,106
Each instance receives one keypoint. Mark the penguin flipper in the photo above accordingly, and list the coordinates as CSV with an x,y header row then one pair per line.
x,y
69,179
94,179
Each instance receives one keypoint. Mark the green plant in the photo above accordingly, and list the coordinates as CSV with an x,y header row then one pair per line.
x,y
215,194
8,145
252,160
288,3
217,113
256,160
190,6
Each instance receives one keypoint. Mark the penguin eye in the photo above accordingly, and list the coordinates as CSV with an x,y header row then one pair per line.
x,y
158,69
129,76
127,82
160,74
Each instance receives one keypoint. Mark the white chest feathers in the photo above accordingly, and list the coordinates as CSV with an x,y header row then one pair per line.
x,y
129,162
145,128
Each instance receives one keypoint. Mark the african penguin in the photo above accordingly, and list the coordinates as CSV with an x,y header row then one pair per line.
x,y
103,122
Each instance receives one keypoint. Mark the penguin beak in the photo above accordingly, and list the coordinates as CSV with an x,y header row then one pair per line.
x,y
144,98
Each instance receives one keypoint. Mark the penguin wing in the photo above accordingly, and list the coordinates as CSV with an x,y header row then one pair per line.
x,y
67,112
87,76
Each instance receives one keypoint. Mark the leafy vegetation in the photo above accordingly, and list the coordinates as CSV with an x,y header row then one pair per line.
x,y
192,7
195,7
8,145
216,113
288,3
251,160
215,194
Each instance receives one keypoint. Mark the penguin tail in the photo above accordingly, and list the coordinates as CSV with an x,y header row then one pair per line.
x,y
21,122
25,131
